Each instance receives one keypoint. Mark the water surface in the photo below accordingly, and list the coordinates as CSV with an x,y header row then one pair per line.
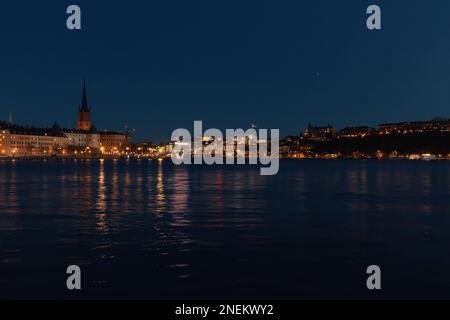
x,y
145,229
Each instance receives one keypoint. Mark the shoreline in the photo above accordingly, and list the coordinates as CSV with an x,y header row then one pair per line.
x,y
168,158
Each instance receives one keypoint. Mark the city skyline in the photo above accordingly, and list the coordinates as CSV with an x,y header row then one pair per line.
x,y
411,140
86,123
157,67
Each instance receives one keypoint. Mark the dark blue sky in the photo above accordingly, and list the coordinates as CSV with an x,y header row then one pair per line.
x,y
159,65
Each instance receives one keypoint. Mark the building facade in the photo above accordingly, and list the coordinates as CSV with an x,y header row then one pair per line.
x,y
319,133
438,125
82,139
357,132
24,142
112,143
3,142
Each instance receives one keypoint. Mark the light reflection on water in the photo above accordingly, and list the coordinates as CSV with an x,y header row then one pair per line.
x,y
188,232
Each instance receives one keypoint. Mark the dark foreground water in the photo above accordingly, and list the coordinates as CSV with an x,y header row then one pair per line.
x,y
142,229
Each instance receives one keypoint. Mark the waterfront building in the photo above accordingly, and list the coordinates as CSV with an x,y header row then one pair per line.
x,y
83,139
112,143
356,132
3,143
143,147
16,141
319,133
151,150
437,125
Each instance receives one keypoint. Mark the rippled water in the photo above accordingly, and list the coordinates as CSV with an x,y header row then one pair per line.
x,y
144,229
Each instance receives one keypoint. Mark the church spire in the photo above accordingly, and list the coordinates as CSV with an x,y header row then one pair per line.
x,y
84,112
84,104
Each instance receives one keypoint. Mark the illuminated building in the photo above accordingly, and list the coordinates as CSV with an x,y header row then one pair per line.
x,y
82,139
143,148
2,143
26,142
319,133
114,142
438,125
356,132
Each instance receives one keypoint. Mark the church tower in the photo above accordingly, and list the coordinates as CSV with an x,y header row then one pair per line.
x,y
84,113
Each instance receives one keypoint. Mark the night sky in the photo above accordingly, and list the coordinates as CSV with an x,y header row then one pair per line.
x,y
160,65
